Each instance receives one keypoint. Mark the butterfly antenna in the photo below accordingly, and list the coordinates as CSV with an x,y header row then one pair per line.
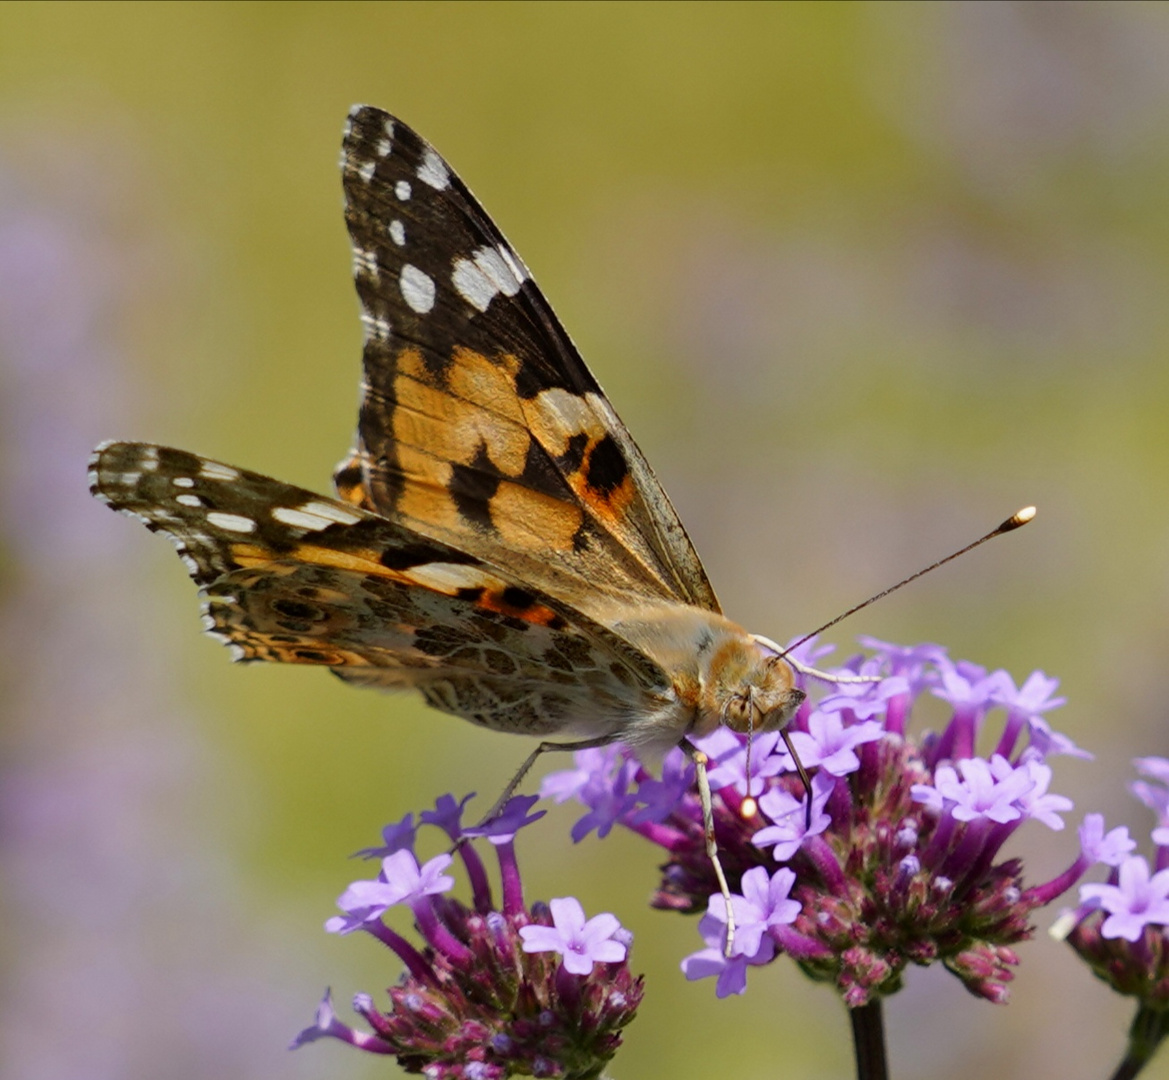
x,y
1015,521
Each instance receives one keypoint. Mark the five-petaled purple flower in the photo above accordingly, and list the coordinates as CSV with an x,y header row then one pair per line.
x,y
581,944
1137,900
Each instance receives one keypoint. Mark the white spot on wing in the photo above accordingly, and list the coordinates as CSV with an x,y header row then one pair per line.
x,y
402,189
472,284
433,171
492,263
339,514
478,280
149,460
384,147
183,481
188,500
298,519
212,470
376,328
315,516
513,261
365,262
231,522
417,289
451,577
397,232
365,170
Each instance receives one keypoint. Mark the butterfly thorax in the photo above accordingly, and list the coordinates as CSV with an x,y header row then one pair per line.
x,y
720,674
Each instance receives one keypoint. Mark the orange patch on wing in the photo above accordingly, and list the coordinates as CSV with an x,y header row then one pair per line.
x,y
409,362
425,496
490,383
363,562
424,416
531,521
611,505
247,555
479,410
534,613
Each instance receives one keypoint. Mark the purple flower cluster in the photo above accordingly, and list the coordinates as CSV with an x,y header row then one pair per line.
x,y
897,861
491,993
1120,926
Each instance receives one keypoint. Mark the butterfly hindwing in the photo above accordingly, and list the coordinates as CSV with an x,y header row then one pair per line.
x,y
480,424
294,577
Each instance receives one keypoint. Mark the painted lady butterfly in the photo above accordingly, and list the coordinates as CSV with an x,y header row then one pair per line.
x,y
498,541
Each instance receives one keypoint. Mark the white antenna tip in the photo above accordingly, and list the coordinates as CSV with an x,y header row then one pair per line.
x,y
1019,518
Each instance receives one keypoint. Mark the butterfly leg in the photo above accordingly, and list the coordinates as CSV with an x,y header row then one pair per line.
x,y
700,761
530,760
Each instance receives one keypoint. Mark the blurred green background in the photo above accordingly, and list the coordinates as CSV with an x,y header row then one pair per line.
x,y
861,278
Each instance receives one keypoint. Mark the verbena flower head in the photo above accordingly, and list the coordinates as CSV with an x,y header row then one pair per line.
x,y
492,992
1121,925
899,859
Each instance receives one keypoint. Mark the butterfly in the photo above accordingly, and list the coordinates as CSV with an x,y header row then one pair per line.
x,y
497,540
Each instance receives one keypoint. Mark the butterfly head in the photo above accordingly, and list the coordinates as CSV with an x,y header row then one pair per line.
x,y
754,691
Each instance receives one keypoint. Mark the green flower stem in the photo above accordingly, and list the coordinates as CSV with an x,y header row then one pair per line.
x,y
1149,1028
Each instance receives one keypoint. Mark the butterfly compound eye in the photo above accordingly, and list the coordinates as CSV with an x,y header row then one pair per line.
x,y
741,713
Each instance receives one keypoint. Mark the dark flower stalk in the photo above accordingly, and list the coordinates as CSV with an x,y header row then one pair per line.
x,y
897,862
491,993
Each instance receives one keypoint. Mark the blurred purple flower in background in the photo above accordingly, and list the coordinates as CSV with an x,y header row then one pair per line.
x,y
102,767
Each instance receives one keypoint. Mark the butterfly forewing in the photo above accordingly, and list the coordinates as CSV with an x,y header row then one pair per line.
x,y
480,424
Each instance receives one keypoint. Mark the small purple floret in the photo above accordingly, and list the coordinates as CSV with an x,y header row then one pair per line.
x,y
447,815
502,828
831,745
395,837
581,944
1137,900
1099,847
